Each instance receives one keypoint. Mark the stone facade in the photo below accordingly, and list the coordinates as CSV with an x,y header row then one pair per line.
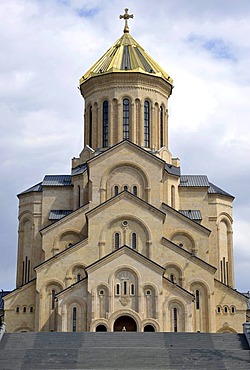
x,y
125,242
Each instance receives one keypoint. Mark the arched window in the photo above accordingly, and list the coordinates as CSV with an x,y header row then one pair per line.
x,y
74,319
78,277
161,126
117,240
24,309
125,187
197,299
134,241
173,196
135,191
132,289
17,309
105,122
125,288
117,289
146,124
116,190
79,196
31,310
175,319
172,278
90,126
125,119
53,296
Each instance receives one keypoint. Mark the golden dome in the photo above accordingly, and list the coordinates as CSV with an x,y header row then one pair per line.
x,y
126,56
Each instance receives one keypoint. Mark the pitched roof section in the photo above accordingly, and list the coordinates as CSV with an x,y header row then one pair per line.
x,y
79,169
35,188
58,214
213,189
172,170
57,180
192,214
194,181
126,55
49,180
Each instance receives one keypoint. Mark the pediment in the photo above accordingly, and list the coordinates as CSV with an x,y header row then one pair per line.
x,y
118,256
131,200
127,146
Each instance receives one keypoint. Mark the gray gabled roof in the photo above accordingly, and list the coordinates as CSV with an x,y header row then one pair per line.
x,y
172,170
194,181
57,180
49,180
194,215
213,189
79,169
58,214
37,187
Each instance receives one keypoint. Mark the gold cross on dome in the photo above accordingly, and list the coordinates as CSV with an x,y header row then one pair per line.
x,y
126,16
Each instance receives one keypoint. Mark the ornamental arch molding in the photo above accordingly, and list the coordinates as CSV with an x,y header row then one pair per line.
x,y
142,177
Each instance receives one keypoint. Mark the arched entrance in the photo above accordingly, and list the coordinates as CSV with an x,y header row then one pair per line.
x,y
125,323
100,328
149,328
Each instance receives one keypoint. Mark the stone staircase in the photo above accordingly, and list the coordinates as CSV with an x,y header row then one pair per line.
x,y
124,351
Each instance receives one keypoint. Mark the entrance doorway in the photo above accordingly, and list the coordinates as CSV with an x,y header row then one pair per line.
x,y
149,328
125,323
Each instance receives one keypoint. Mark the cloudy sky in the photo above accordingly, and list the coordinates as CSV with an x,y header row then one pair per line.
x,y
47,45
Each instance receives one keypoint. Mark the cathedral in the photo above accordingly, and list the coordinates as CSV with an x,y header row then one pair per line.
x,y
125,242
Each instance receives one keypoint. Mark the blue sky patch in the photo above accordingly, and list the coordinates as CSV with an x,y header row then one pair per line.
x,y
216,47
87,13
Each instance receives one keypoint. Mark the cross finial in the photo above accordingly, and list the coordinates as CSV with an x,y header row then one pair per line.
x,y
126,16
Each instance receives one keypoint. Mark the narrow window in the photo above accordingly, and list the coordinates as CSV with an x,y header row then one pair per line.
x,y
172,278
116,190
146,124
31,309
78,277
117,240
28,274
134,241
90,126
117,290
23,274
124,287
175,320
225,309
232,309
135,192
79,196
125,119
132,289
53,296
125,188
105,123
17,309
218,309
24,309
197,299
173,196
74,319
161,126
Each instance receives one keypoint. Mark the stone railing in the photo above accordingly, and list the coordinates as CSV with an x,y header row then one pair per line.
x,y
2,330
246,331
